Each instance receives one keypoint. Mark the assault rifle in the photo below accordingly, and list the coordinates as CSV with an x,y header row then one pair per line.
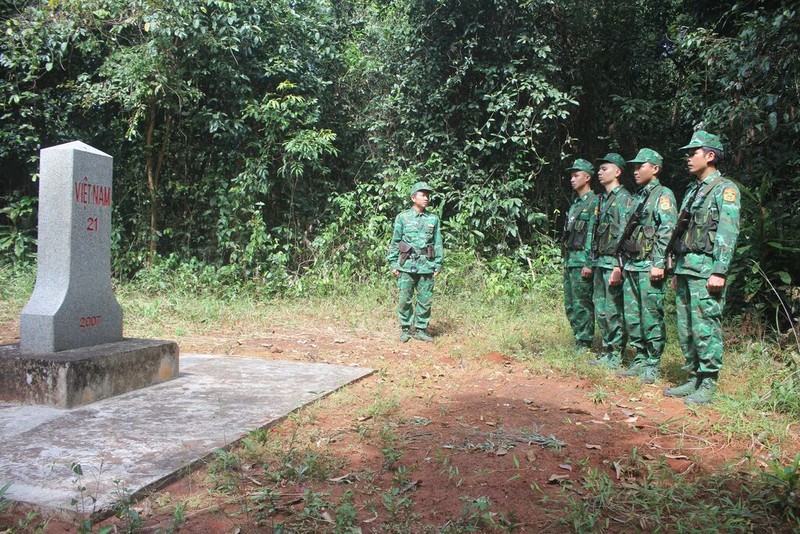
x,y
634,221
680,228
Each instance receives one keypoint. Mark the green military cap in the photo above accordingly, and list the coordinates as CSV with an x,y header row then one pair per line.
x,y
582,165
648,155
701,139
420,186
613,157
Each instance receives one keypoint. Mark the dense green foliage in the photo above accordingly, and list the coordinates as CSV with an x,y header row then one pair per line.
x,y
273,141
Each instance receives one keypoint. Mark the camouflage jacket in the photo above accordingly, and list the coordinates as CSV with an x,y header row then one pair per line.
x,y
707,246
612,214
578,230
419,230
657,217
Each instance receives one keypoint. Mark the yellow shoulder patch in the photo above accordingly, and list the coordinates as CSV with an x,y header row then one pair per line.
x,y
729,194
596,210
665,204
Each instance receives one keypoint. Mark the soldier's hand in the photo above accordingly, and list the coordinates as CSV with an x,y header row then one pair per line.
x,y
435,274
586,272
715,283
395,272
656,274
616,277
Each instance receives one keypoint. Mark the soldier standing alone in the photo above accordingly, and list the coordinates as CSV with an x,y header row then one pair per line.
x,y
653,215
578,228
703,252
415,257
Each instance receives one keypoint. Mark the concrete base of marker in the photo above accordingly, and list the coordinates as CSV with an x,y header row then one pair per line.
x,y
75,377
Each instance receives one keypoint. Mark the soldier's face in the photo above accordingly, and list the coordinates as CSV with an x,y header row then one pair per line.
x,y
579,180
697,160
607,173
421,199
643,173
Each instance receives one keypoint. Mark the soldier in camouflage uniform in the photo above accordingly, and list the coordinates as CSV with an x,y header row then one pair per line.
x,y
703,256
415,257
612,214
653,216
578,230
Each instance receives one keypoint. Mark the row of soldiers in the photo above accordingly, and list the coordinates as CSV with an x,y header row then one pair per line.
x,y
620,249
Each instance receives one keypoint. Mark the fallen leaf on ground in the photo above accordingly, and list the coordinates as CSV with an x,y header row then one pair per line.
x,y
578,411
590,446
618,469
555,479
413,484
566,467
344,478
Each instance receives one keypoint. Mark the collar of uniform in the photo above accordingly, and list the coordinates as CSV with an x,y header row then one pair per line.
x,y
585,195
615,190
649,187
710,177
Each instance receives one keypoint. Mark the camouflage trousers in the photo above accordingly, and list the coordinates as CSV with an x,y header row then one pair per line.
x,y
609,311
699,323
578,305
644,316
423,284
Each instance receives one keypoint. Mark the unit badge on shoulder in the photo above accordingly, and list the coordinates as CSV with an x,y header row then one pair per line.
x,y
664,204
729,194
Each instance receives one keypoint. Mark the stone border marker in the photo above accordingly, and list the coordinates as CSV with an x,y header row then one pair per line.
x,y
71,349
73,304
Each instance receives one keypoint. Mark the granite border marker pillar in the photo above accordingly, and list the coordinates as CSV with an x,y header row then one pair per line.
x,y
73,304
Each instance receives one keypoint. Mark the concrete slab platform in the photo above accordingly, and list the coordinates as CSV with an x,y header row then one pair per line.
x,y
138,440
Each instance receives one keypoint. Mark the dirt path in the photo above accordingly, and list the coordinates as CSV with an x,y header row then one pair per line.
x,y
428,442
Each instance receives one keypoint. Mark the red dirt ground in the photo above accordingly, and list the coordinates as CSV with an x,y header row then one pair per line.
x,y
454,421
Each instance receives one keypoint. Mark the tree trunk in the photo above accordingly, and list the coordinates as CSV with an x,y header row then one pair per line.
x,y
153,171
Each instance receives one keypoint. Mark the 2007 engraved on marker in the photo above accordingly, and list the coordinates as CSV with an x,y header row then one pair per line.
x,y
91,321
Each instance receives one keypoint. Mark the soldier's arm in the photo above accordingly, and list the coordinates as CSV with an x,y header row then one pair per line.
x,y
623,214
592,210
666,215
438,246
728,202
393,255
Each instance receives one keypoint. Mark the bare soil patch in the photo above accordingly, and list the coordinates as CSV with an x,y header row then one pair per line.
x,y
429,433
